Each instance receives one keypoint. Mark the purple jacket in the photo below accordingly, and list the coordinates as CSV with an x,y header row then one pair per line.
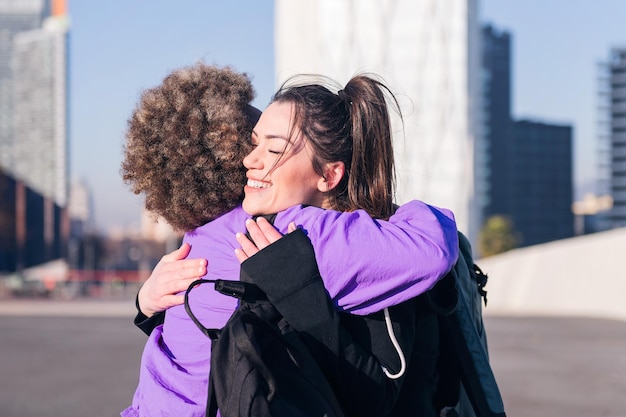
x,y
366,265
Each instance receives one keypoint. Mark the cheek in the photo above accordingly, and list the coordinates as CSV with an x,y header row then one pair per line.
x,y
302,181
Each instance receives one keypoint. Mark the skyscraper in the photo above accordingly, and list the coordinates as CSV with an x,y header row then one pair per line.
x,y
33,130
540,189
617,109
15,17
33,95
428,53
496,65
528,164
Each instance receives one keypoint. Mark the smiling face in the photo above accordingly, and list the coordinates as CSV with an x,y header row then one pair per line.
x,y
280,168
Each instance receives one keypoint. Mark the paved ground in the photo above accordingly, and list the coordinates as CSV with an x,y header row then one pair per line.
x,y
67,366
55,364
573,367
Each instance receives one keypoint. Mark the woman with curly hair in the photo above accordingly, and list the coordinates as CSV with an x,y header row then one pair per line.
x,y
185,144
176,136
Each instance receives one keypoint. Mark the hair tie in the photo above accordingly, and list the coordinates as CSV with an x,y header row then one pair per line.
x,y
343,96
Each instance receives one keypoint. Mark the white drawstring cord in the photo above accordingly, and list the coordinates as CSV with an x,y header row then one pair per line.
x,y
392,336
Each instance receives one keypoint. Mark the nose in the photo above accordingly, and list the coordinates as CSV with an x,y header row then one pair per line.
x,y
252,160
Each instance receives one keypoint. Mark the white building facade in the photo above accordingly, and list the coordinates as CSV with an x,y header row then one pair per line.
x,y
16,16
428,53
34,131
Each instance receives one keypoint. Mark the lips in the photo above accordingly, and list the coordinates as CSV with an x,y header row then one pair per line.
x,y
258,184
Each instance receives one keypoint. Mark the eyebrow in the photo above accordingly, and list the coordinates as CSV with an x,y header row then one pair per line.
x,y
272,136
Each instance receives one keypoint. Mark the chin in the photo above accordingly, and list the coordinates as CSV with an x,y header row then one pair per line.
x,y
251,209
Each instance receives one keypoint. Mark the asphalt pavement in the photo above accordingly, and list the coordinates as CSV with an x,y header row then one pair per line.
x,y
81,358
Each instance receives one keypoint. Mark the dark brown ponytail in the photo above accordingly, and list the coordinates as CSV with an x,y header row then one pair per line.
x,y
354,127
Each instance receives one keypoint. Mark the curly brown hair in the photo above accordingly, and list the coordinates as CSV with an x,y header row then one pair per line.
x,y
186,141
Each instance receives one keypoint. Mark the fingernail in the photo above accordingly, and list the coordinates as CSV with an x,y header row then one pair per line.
x,y
248,221
238,235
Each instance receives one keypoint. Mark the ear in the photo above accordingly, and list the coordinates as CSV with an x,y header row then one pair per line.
x,y
333,173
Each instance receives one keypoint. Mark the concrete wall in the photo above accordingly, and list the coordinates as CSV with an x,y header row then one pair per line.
x,y
581,276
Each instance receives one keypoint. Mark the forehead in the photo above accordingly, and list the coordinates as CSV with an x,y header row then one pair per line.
x,y
276,120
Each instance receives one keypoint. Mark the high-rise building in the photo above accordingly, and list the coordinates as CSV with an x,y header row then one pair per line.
x,y
496,66
540,185
33,95
15,17
528,164
428,52
617,133
593,211
33,131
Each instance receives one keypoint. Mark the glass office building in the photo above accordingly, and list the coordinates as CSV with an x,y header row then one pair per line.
x,y
617,133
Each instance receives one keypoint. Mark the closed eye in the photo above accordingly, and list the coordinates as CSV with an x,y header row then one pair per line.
x,y
254,140
279,146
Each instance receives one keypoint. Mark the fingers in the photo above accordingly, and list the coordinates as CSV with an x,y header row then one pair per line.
x,y
257,234
171,301
161,290
241,255
270,234
182,269
172,275
177,281
262,234
248,248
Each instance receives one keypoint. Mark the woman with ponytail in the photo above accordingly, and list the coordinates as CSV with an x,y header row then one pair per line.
x,y
347,138
321,159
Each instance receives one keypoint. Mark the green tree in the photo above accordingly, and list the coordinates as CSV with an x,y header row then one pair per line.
x,y
497,235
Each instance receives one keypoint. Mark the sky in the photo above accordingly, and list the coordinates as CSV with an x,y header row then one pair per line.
x,y
120,48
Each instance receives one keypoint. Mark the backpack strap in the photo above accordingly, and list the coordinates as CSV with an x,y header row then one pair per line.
x,y
481,280
245,291
242,290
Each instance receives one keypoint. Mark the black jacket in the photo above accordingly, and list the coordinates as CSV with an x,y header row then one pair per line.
x,y
351,349
145,323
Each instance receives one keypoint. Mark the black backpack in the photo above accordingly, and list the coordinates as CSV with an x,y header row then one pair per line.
x,y
259,365
467,385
